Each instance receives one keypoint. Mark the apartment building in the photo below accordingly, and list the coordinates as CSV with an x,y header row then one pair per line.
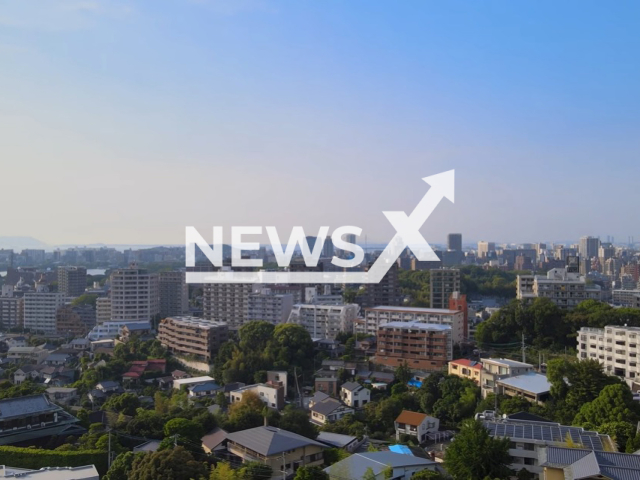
x,y
193,336
325,321
72,281
563,287
75,321
11,309
443,282
484,248
494,369
134,295
527,437
268,306
615,347
40,310
424,346
226,302
626,298
464,368
173,294
109,330
103,310
415,424
375,317
385,292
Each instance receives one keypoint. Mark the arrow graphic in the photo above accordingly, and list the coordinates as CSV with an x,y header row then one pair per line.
x,y
407,234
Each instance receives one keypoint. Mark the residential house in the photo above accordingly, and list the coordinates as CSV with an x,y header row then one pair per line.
x,y
271,394
415,424
178,383
202,390
577,463
213,441
109,386
81,344
337,440
28,354
531,385
57,359
328,410
58,376
16,342
328,385
62,395
87,472
140,367
464,368
494,369
148,446
282,450
354,395
27,372
356,466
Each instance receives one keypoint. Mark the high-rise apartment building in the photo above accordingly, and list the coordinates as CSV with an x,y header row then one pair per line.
x,y
386,292
422,346
193,336
40,311
103,310
484,248
75,321
72,281
268,306
11,309
173,293
134,295
226,302
454,242
442,283
325,321
589,247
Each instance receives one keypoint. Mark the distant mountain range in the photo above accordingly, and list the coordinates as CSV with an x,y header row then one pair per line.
x,y
20,243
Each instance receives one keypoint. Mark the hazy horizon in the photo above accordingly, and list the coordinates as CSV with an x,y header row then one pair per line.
x,y
123,122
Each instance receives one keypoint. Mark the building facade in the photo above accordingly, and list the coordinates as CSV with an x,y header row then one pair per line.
x,y
40,311
72,281
268,306
173,294
565,288
75,321
134,295
325,321
226,302
423,346
443,283
193,336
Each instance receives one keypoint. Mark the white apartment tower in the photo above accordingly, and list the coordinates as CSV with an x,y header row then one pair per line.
x,y
40,310
563,287
325,321
134,295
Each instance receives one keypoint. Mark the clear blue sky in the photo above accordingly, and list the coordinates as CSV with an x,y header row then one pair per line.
x,y
123,121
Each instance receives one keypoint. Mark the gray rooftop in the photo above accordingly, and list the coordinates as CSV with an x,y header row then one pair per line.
x,y
351,386
29,405
326,406
357,464
531,382
587,463
270,441
336,439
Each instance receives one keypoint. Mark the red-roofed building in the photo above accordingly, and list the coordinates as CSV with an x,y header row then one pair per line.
x,y
140,367
466,368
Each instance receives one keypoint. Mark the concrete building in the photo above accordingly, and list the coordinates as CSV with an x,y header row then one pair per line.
x,y
385,292
531,386
560,463
588,247
226,302
375,317
454,242
173,294
193,336
271,394
563,287
616,348
40,311
110,330
424,346
626,298
443,283
11,309
324,321
464,368
134,295
266,305
86,472
72,281
328,410
484,248
415,424
359,465
103,310
494,369
283,451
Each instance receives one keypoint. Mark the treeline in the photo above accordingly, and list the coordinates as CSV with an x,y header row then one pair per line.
x,y
545,326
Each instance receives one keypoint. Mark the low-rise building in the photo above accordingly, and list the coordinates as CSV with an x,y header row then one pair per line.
x,y
531,385
494,369
112,330
187,382
328,385
564,287
464,368
87,472
328,410
357,465
415,424
354,395
579,463
272,395
62,395
626,298
203,390
193,336
324,321
28,354
283,451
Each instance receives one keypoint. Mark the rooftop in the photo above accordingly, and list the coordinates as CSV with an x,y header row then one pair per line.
x,y
23,406
87,472
336,439
467,363
326,406
357,464
507,363
531,382
440,311
416,325
351,386
269,441
585,463
197,322
411,418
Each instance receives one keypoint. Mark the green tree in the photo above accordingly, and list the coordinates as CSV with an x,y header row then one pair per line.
x,y
245,414
120,467
474,454
186,429
428,475
311,473
170,464
297,421
524,474
403,373
614,404
255,471
224,471
369,474
126,403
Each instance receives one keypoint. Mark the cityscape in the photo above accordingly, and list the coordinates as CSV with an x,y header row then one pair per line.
x,y
358,310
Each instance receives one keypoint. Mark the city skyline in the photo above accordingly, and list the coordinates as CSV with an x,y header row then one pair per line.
x,y
256,113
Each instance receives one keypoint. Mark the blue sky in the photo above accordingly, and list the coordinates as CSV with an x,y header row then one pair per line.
x,y
123,121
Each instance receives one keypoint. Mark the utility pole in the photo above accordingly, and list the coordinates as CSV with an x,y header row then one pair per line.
x,y
175,440
109,450
524,360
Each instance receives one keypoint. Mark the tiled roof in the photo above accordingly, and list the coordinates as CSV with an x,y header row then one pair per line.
x,y
29,405
467,363
270,441
411,418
